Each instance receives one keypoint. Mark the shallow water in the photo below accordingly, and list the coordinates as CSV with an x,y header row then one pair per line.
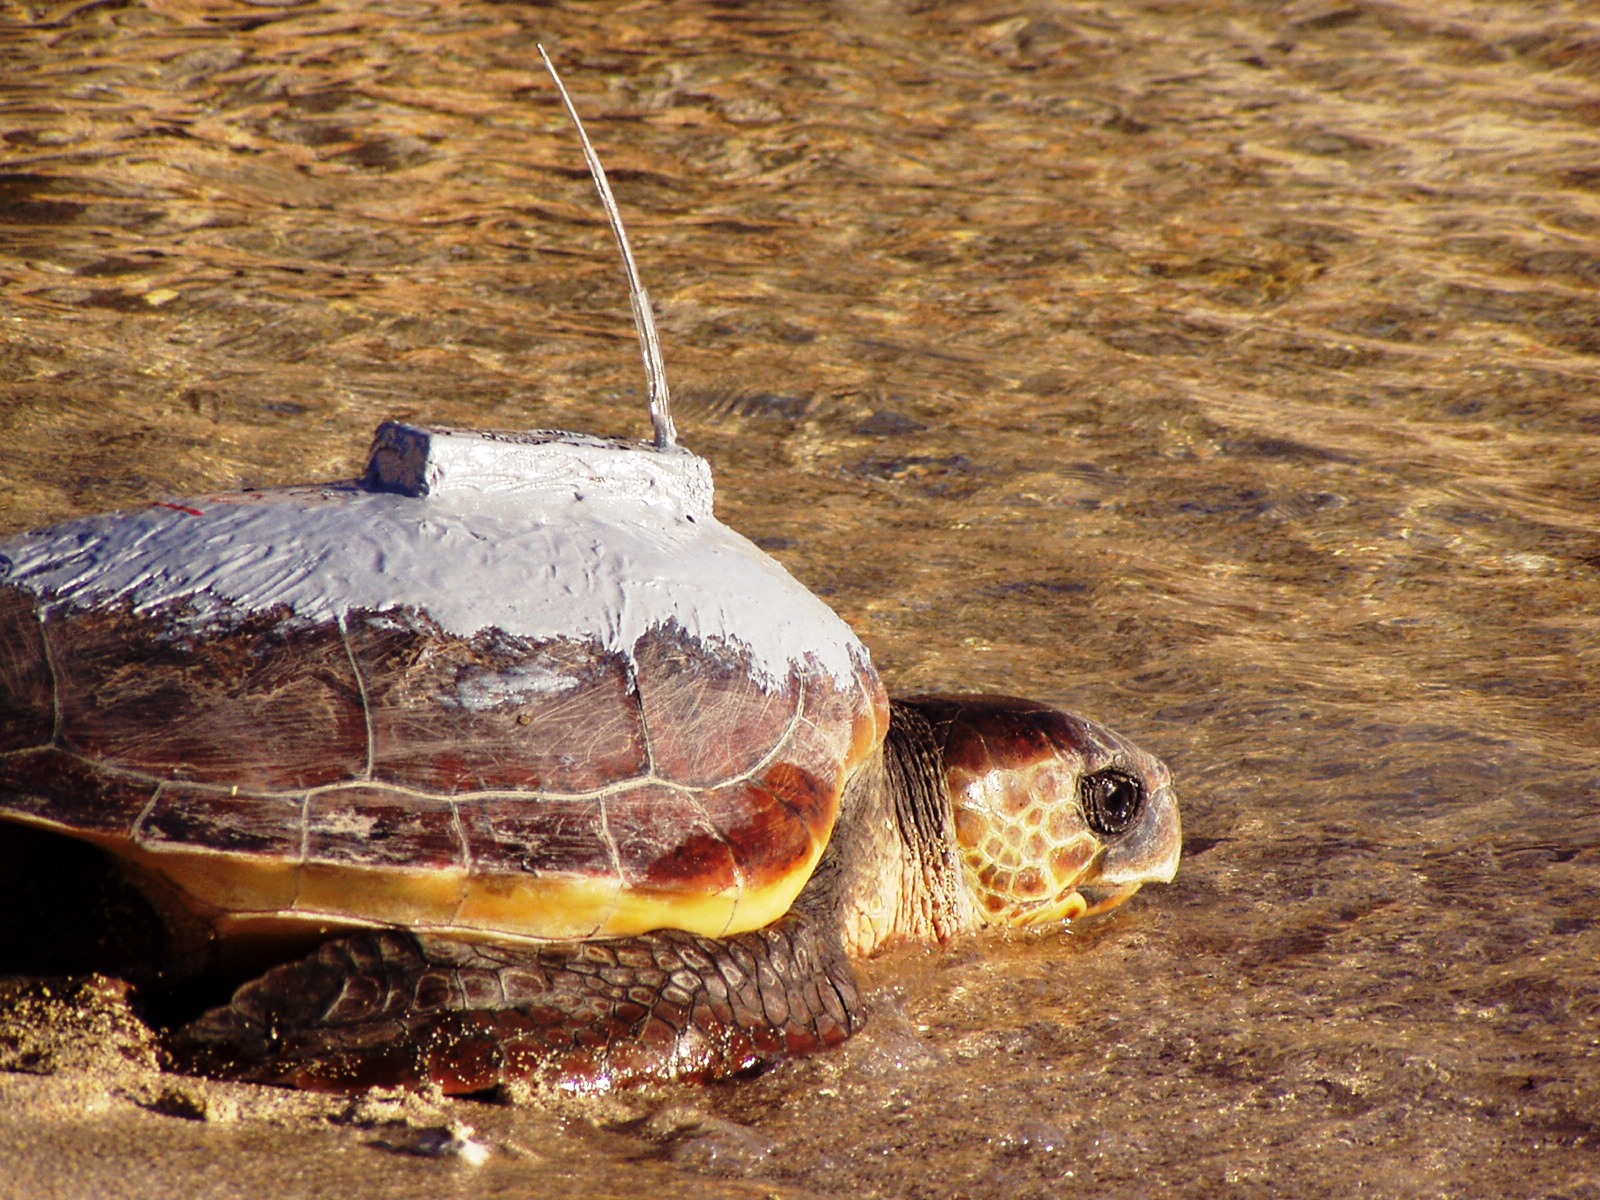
x,y
1225,371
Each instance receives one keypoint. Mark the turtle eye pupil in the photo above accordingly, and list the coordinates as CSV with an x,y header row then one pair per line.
x,y
1111,802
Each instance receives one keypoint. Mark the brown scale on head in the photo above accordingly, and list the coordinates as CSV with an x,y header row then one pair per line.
x,y
1055,817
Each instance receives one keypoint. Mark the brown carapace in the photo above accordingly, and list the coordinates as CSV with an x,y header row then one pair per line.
x,y
378,770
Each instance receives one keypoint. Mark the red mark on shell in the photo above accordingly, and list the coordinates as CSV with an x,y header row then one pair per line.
x,y
183,508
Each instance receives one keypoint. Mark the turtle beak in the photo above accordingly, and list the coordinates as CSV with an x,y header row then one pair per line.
x,y
1099,900
1067,907
1147,853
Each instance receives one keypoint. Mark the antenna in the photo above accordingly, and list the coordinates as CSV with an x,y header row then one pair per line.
x,y
655,371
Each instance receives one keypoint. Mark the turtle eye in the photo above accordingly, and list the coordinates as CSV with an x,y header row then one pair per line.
x,y
1111,801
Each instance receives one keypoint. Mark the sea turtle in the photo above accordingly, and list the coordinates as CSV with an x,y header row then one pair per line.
x,y
568,779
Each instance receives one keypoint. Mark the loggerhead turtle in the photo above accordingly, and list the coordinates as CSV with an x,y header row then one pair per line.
x,y
569,780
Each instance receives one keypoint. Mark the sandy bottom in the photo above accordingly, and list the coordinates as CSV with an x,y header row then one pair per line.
x,y
86,1110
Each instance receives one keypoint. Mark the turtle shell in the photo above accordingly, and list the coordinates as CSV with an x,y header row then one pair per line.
x,y
506,687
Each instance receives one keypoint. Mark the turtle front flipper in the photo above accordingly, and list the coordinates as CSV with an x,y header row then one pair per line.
x,y
393,1009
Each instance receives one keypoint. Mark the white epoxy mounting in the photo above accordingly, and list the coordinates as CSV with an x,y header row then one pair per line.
x,y
542,535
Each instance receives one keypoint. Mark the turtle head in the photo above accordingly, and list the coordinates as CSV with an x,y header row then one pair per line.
x,y
1055,817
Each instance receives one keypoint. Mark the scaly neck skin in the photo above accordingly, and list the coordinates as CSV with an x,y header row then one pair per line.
x,y
891,871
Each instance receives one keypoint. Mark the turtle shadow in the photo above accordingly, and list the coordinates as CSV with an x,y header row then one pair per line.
x,y
69,911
